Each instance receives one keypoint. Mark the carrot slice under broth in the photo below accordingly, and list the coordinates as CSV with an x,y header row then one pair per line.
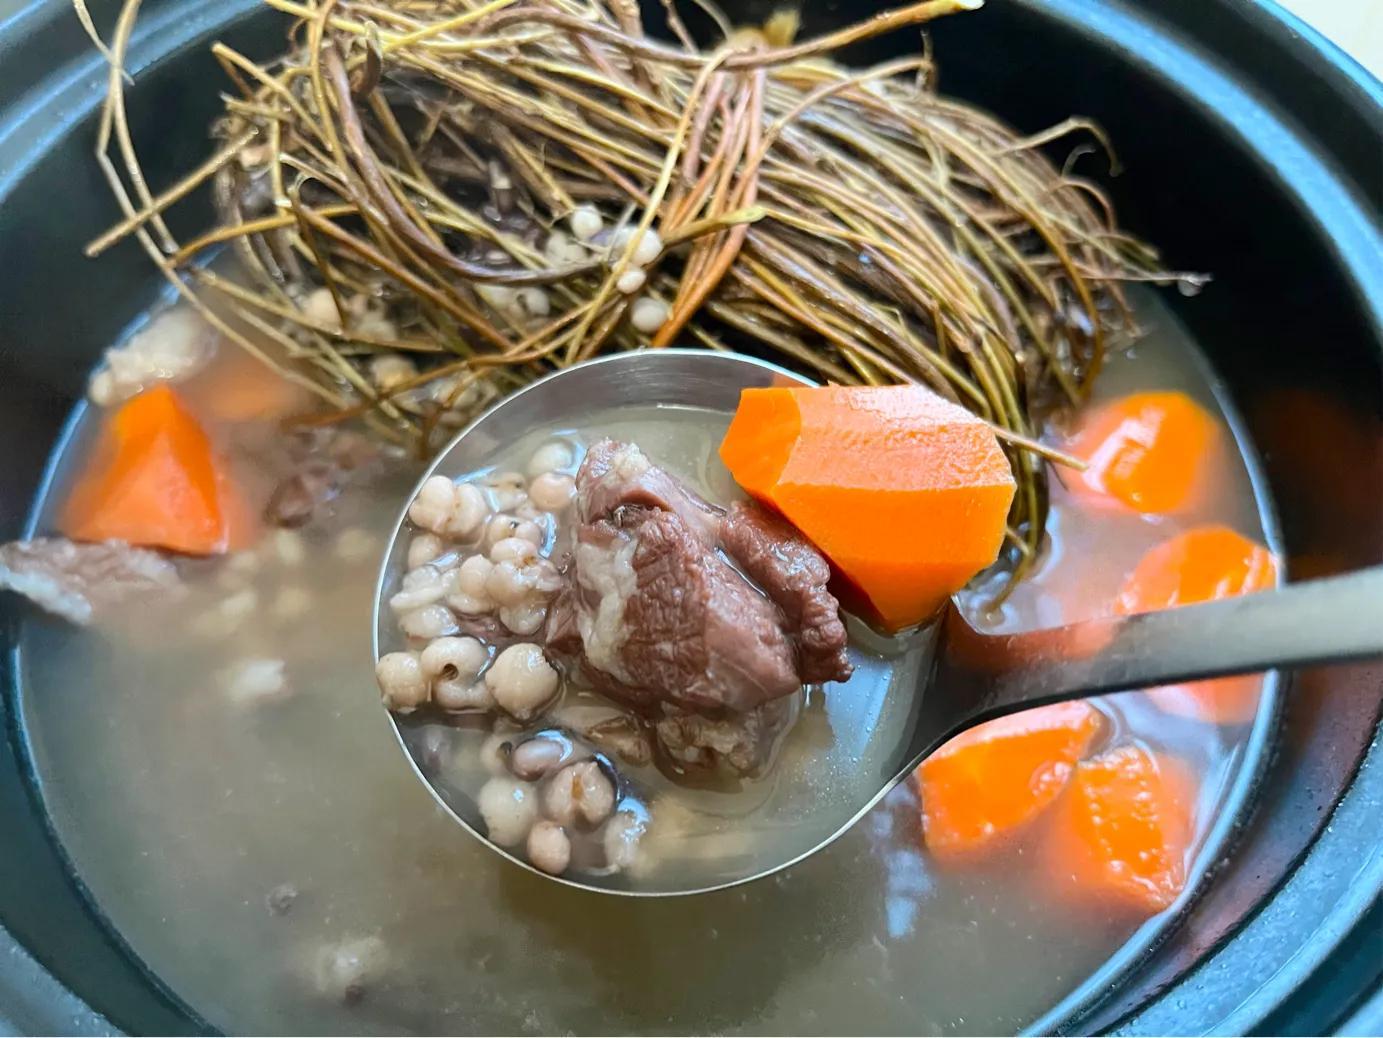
x,y
1152,452
1200,565
1121,832
991,781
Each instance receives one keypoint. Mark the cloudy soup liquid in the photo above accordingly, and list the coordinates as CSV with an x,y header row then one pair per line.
x,y
276,862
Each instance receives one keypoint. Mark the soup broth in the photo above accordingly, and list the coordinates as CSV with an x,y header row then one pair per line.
x,y
222,775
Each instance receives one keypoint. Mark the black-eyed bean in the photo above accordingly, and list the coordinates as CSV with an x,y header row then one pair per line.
x,y
472,575
537,757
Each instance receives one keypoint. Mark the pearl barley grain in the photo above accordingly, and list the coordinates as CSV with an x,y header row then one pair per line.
x,y
524,619
550,457
431,621
631,280
402,685
423,548
586,222
579,793
552,492
522,680
444,508
508,807
462,696
648,314
453,659
549,848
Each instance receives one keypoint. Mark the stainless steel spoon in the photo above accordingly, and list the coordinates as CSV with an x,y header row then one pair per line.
x,y
911,699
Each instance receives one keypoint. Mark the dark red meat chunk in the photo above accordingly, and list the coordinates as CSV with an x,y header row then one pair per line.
x,y
792,573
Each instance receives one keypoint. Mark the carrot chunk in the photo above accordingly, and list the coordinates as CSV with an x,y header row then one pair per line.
x,y
236,387
1121,832
153,481
904,492
1151,451
1200,565
989,782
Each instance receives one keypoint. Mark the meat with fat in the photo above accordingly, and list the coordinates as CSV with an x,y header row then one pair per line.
x,y
664,619
657,617
78,581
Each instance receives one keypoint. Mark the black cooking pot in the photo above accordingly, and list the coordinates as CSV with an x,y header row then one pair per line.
x,y
1254,150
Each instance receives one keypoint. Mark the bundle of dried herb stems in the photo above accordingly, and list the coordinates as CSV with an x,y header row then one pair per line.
x,y
436,201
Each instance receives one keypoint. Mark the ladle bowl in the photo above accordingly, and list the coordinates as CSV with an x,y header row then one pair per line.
x,y
910,693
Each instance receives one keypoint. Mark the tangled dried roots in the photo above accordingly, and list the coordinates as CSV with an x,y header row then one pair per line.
x,y
440,199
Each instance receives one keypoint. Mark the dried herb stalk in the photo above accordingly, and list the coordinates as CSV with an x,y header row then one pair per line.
x,y
403,186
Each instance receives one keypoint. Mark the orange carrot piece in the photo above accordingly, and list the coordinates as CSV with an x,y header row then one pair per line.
x,y
991,781
1121,832
153,481
904,492
237,387
1150,451
1200,565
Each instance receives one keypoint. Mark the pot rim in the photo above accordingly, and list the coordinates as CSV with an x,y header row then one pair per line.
x,y
1331,190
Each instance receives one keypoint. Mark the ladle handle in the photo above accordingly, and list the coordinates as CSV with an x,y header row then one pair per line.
x,y
1318,621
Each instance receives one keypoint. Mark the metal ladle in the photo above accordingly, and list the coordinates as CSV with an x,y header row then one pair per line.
x,y
914,698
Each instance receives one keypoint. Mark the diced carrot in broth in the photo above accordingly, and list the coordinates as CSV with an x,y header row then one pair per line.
x,y
152,481
237,387
1121,831
1153,452
905,493
1201,565
991,781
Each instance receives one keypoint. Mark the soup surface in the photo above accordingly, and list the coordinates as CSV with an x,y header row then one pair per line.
x,y
227,785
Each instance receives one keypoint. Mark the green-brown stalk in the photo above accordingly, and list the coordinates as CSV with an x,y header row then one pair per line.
x,y
852,224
